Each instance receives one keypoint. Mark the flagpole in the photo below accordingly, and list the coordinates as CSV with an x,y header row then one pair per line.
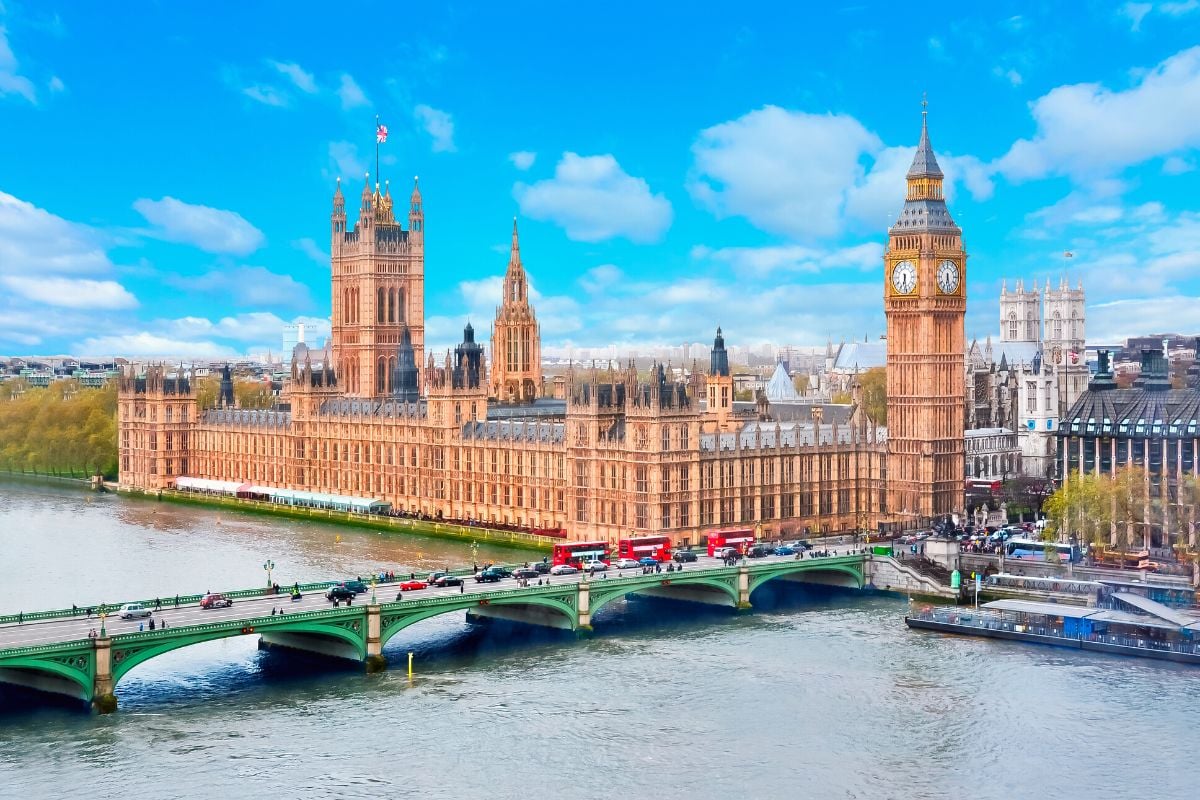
x,y
377,150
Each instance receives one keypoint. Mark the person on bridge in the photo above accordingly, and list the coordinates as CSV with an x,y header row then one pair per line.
x,y
152,623
461,588
162,623
177,601
399,595
74,610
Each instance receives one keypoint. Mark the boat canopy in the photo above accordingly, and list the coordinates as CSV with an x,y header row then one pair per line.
x,y
291,497
1154,608
209,485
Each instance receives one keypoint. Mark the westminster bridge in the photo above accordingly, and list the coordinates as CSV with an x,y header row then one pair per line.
x,y
70,653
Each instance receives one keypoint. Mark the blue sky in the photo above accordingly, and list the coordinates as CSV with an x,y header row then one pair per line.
x,y
167,168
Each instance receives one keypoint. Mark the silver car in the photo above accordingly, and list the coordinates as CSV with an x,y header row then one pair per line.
x,y
563,569
134,611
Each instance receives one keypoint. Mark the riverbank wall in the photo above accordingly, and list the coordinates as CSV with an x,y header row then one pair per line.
x,y
53,480
519,540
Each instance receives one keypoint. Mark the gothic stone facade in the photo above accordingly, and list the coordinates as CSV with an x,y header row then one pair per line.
x,y
628,454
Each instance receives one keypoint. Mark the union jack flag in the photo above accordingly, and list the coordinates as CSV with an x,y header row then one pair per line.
x,y
381,134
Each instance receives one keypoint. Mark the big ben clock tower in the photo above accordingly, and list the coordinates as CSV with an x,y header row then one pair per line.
x,y
925,302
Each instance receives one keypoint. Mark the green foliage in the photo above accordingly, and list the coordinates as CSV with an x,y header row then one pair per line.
x,y
841,398
59,430
801,382
874,394
743,395
253,394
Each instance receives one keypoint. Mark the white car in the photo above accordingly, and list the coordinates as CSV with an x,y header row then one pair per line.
x,y
627,563
595,566
134,611
563,569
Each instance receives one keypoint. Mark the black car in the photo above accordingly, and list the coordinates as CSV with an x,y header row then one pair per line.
x,y
356,586
448,580
759,551
527,572
484,576
542,567
503,572
339,593
681,556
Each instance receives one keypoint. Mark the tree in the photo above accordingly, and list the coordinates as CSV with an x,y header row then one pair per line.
x,y
253,394
59,430
801,383
841,398
743,395
874,394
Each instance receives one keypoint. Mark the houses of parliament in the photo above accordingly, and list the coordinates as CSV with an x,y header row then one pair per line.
x,y
460,436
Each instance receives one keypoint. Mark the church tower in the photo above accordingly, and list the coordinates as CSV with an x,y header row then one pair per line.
x,y
378,273
925,303
719,386
516,337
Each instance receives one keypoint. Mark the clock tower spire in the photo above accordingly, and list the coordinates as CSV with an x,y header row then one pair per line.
x,y
925,303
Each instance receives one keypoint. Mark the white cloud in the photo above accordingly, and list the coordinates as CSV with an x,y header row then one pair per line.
x,y
312,250
522,159
1178,9
1118,320
597,279
71,292
303,80
252,286
346,161
351,95
11,82
267,95
56,84
439,125
593,199
211,229
1135,13
786,172
1009,74
1087,130
759,262
35,242
150,345
1175,165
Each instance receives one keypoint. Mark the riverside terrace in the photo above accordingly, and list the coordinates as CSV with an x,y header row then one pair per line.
x,y
55,651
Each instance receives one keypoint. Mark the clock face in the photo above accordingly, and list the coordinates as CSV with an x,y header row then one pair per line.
x,y
947,277
904,277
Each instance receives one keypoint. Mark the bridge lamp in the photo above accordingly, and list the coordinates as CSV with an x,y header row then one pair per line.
x,y
103,614
268,565
374,580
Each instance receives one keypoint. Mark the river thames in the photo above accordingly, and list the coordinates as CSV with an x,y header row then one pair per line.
x,y
826,695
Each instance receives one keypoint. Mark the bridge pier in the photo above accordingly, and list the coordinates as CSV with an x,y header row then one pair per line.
x,y
583,604
375,661
743,588
103,699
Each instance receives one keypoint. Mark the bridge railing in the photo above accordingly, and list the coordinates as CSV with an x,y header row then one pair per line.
x,y
190,599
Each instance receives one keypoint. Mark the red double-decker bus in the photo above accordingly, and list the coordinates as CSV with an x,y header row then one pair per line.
x,y
579,553
656,547
740,540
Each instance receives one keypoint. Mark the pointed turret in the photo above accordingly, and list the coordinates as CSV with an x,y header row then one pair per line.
x,y
924,163
416,216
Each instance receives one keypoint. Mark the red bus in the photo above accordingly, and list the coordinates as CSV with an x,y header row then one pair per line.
x,y
578,553
656,547
738,539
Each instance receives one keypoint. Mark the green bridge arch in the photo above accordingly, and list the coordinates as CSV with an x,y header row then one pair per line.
x,y
397,616
852,568
127,655
603,592
76,665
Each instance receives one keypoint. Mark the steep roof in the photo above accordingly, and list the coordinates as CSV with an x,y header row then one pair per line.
x,y
780,388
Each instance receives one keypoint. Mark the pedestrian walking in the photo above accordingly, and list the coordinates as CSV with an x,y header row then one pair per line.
x,y
74,610
152,623
158,604
177,601
141,627
89,612
461,588
162,623
20,617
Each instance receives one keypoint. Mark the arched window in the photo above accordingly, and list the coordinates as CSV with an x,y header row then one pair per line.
x,y
379,306
1012,325
381,376
1058,326
400,316
391,315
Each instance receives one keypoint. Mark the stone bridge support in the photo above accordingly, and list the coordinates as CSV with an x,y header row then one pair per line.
x,y
743,587
375,659
103,698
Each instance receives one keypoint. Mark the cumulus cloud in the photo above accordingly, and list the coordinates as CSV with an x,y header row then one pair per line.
x,y
439,125
351,95
35,242
1113,322
346,161
11,81
312,250
1087,130
522,159
763,261
300,78
807,175
599,278
784,171
214,230
1135,13
593,199
56,84
253,286
71,292
150,345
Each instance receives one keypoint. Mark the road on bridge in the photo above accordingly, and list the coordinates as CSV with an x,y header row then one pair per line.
x,y
63,629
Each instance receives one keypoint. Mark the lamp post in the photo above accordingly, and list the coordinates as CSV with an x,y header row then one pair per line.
x,y
374,580
268,565
103,614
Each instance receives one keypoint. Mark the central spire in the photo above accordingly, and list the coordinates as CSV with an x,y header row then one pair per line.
x,y
514,256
